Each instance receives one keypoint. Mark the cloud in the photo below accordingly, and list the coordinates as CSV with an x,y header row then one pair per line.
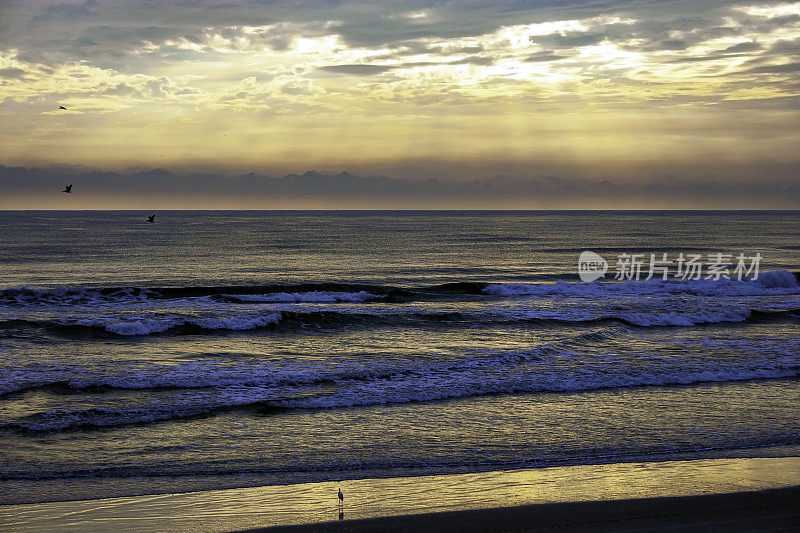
x,y
12,72
568,39
777,10
358,70
747,46
63,12
545,55
784,68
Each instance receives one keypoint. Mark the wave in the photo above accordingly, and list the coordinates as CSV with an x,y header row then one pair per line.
x,y
208,375
775,282
619,249
194,375
144,326
96,418
182,325
311,297
303,292
71,295
204,374
431,391
767,283
687,319
381,467
578,362
652,319
463,381
296,320
779,278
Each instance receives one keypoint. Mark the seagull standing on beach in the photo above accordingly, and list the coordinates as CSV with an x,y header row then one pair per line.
x,y
341,497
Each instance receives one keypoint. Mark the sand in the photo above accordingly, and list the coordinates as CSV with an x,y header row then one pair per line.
x,y
769,510
698,494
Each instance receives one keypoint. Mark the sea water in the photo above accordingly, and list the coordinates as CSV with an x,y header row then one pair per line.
x,y
223,348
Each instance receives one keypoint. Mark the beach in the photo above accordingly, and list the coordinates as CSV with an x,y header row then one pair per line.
x,y
591,496
769,510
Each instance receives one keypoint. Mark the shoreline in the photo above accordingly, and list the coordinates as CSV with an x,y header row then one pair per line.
x,y
311,504
765,510
86,489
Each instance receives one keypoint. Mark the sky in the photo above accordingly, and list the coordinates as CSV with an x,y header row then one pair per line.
x,y
385,104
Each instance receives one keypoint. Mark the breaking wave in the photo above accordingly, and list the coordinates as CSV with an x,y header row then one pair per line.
x,y
767,283
307,292
346,390
291,320
296,320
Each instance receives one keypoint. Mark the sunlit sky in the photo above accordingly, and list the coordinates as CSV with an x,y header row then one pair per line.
x,y
639,91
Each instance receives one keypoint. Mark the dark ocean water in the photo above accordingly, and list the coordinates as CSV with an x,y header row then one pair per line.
x,y
217,349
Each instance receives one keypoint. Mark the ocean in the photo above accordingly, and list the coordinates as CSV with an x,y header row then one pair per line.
x,y
215,349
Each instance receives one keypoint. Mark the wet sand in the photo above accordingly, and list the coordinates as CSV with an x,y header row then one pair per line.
x,y
711,494
770,510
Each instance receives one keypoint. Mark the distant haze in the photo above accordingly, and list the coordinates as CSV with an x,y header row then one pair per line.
x,y
28,188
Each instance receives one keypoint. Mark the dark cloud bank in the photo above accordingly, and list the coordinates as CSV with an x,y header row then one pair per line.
x,y
108,30
113,190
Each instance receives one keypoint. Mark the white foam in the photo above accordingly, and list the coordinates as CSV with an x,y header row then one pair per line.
x,y
24,295
638,318
239,323
140,327
147,326
778,278
768,283
555,367
461,384
686,319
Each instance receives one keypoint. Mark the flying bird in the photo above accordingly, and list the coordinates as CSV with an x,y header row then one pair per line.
x,y
62,107
68,188
151,218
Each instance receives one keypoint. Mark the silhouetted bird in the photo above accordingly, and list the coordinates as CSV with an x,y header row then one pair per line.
x,y
62,107
341,497
68,188
151,218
